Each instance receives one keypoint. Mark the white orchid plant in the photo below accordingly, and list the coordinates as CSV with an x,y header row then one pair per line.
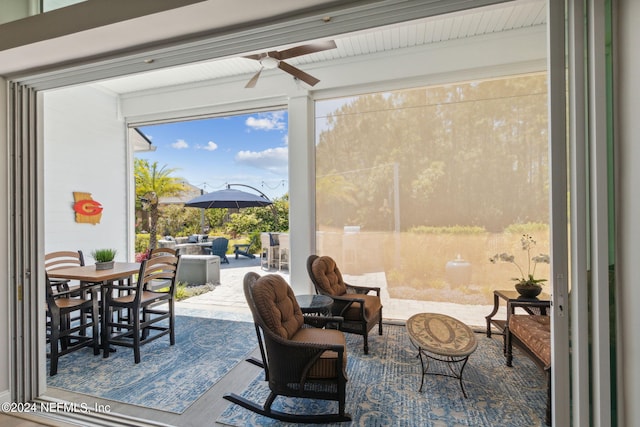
x,y
528,243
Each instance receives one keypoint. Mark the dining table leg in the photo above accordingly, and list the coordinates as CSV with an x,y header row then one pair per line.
x,y
103,320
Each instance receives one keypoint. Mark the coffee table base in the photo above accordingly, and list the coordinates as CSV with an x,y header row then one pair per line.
x,y
452,363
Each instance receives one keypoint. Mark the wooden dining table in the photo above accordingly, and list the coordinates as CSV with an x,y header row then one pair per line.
x,y
89,274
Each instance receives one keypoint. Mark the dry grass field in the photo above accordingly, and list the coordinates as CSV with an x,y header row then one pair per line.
x,y
436,267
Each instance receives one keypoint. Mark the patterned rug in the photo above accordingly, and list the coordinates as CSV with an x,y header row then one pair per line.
x,y
383,389
169,378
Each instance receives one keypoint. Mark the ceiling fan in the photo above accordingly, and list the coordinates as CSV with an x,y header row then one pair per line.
x,y
275,59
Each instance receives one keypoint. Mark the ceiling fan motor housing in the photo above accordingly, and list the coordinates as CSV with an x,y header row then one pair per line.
x,y
269,63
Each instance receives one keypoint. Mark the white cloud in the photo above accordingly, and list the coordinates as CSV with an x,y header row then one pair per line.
x,y
272,159
211,146
180,144
267,121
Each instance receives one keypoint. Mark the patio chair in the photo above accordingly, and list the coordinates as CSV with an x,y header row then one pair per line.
x,y
283,250
157,284
62,336
361,311
219,246
270,248
298,361
62,259
146,308
163,252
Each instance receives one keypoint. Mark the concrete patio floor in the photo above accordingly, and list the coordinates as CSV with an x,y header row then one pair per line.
x,y
228,297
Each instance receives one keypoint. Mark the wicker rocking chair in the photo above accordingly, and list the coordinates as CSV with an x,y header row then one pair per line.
x,y
299,361
360,306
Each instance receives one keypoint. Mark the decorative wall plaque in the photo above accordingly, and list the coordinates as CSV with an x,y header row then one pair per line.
x,y
87,210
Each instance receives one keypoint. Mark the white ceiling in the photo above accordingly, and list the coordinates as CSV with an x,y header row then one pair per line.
x,y
424,32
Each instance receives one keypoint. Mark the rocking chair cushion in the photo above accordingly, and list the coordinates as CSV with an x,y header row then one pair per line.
x,y
276,303
328,276
325,367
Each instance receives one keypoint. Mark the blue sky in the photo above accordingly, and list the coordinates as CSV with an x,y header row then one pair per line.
x,y
249,149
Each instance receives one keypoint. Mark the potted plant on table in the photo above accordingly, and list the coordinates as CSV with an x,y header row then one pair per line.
x,y
526,284
104,258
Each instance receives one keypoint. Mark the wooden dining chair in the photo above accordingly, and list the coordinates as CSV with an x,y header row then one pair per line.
x,y
158,284
63,259
65,337
146,307
163,252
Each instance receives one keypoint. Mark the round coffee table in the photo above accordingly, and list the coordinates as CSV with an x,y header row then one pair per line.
x,y
442,338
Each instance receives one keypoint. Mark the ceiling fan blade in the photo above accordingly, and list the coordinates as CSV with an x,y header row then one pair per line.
x,y
257,56
306,49
298,73
252,83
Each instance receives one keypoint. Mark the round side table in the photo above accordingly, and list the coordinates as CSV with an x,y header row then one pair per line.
x,y
315,304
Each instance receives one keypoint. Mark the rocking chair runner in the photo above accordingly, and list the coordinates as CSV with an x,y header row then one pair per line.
x,y
298,361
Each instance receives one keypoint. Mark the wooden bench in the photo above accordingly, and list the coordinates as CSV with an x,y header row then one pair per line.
x,y
532,334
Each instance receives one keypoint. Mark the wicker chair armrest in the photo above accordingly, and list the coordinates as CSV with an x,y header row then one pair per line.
x,y
362,289
342,304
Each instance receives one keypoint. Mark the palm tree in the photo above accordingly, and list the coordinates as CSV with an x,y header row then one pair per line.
x,y
151,184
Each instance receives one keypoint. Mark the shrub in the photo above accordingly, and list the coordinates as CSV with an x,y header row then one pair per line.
x,y
255,242
184,291
456,229
527,228
142,243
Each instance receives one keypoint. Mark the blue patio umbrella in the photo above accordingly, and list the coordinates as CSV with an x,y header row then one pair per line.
x,y
229,198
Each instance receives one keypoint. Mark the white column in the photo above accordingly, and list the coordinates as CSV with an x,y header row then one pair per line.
x,y
302,224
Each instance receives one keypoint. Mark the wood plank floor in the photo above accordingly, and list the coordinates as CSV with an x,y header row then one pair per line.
x,y
27,421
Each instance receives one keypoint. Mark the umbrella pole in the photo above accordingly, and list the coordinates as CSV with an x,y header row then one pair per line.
x,y
202,215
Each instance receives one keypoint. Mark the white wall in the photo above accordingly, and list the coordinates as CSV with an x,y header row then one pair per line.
x,y
628,207
85,150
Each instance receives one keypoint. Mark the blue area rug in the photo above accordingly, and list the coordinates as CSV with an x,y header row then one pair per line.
x,y
383,389
168,378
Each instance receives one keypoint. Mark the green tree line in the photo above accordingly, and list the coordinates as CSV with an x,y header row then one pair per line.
x,y
473,154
